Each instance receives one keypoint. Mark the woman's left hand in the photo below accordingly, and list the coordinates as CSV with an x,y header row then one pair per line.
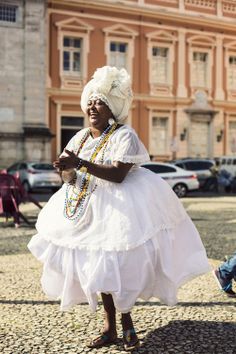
x,y
67,162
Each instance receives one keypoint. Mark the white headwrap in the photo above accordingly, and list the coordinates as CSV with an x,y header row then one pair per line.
x,y
113,87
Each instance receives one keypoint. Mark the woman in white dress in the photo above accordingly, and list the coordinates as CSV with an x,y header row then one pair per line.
x,y
114,229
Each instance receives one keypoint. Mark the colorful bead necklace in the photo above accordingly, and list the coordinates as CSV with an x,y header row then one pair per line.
x,y
75,197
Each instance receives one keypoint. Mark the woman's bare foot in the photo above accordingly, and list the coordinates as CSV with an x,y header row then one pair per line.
x,y
130,337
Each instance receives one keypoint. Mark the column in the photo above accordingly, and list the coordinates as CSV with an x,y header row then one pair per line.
x,y
181,88
219,92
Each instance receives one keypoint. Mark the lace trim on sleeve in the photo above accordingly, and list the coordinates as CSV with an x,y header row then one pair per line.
x,y
136,159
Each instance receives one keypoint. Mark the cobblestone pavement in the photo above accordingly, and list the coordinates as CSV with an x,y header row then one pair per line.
x,y
203,322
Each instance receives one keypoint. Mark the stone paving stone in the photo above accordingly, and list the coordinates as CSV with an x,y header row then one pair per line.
x,y
203,322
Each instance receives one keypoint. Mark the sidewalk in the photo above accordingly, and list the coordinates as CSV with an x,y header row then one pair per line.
x,y
203,322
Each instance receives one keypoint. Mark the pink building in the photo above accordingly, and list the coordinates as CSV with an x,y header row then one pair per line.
x,y
181,55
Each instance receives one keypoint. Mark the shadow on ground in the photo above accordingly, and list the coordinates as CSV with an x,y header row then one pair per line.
x,y
198,337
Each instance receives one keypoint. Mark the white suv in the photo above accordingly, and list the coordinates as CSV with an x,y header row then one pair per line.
x,y
180,181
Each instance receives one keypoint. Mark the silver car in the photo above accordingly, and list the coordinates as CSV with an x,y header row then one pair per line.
x,y
36,175
181,181
199,166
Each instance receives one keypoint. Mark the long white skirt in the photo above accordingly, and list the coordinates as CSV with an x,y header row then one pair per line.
x,y
134,240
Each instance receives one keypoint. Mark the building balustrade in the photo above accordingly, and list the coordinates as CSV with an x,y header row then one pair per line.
x,y
215,7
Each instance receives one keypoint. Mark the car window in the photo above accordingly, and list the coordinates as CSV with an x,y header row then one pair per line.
x,y
43,166
13,167
234,161
198,165
223,161
160,168
22,166
229,161
180,164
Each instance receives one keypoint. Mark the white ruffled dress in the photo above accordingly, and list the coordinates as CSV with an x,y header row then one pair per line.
x,y
133,240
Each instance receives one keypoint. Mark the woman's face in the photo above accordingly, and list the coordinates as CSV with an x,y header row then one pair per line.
x,y
98,113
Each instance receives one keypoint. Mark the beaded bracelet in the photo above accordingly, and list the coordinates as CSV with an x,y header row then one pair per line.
x,y
80,164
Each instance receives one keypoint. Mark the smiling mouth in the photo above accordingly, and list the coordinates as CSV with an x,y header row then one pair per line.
x,y
93,114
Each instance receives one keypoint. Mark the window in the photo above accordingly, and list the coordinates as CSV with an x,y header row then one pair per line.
x,y
181,165
160,168
159,136
232,72
70,125
198,165
159,65
43,166
232,136
118,54
72,48
199,69
8,13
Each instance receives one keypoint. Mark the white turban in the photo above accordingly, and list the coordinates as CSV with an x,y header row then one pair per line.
x,y
113,87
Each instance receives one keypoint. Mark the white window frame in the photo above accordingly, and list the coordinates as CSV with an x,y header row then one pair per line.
x,y
160,114
84,50
195,49
72,50
162,39
231,118
124,34
169,77
117,42
228,55
130,50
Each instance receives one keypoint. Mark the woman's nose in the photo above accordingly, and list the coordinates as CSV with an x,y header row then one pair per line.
x,y
92,106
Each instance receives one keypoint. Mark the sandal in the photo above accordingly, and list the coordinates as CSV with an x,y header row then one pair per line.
x,y
102,341
131,340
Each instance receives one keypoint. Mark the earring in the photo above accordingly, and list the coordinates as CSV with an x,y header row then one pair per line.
x,y
111,121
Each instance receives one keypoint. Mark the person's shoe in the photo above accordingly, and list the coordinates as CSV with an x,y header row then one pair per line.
x,y
102,341
130,340
224,285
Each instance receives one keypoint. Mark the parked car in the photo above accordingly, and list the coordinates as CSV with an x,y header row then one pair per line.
x,y
200,166
36,175
181,181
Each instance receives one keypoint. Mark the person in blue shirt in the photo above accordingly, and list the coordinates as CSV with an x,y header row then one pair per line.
x,y
225,274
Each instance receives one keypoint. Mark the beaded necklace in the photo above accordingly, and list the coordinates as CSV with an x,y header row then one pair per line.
x,y
75,197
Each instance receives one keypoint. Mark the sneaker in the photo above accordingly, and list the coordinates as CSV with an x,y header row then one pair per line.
x,y
223,284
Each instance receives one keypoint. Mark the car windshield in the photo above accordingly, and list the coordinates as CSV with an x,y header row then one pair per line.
x,y
43,166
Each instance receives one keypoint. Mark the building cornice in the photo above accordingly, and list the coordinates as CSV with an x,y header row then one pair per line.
x,y
160,13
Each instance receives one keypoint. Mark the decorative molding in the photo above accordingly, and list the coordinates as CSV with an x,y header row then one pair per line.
x,y
181,19
201,40
74,23
162,35
120,30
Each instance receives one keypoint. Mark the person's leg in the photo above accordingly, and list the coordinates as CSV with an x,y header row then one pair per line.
x,y
228,269
110,315
130,338
109,334
16,218
224,275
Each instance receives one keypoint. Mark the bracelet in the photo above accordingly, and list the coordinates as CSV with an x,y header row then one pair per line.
x,y
80,164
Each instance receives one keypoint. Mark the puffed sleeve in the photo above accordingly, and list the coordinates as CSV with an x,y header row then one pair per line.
x,y
128,148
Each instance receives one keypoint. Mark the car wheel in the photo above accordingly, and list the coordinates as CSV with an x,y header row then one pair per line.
x,y
180,190
26,186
